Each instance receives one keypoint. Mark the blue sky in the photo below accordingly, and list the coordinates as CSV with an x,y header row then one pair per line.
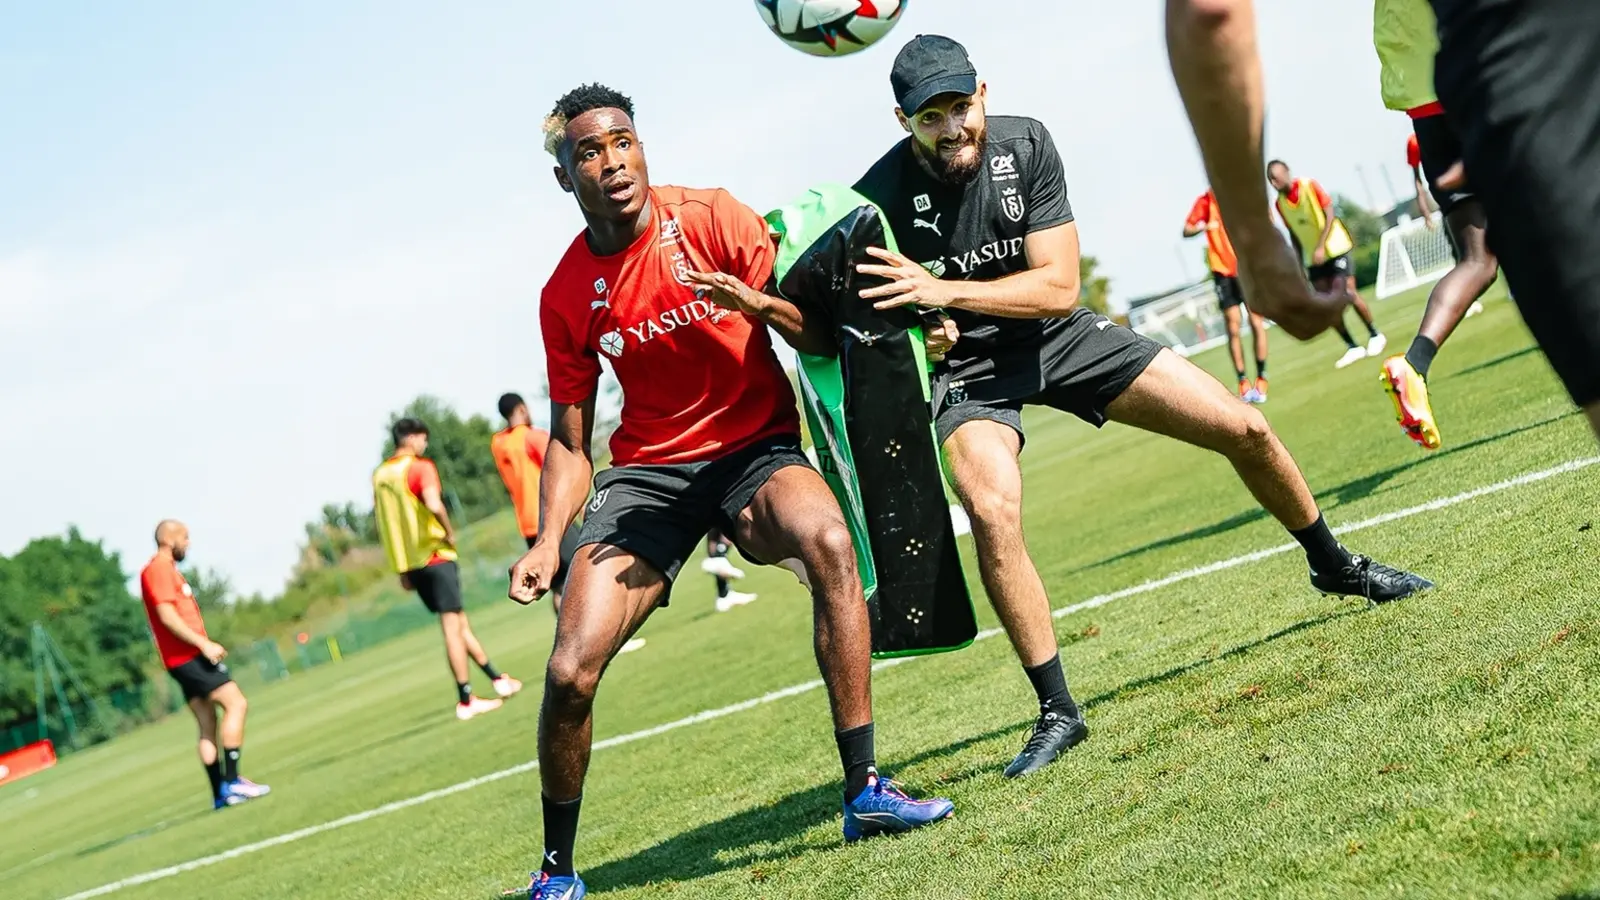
x,y
234,236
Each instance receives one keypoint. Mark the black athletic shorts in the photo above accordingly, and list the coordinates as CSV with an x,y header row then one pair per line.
x,y
1083,367
569,547
1440,149
1518,82
199,677
438,585
1333,268
1229,294
661,513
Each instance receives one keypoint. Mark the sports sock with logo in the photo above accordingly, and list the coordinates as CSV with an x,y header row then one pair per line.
x,y
230,763
1050,683
560,833
1420,355
489,670
464,692
214,773
857,756
1323,550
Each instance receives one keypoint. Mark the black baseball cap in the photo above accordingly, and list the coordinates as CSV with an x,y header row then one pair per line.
x,y
929,66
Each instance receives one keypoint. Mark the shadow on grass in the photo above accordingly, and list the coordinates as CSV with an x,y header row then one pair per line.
x,y
144,832
1498,360
772,832
1349,492
385,740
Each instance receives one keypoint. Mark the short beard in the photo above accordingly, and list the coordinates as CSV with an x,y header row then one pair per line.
x,y
950,172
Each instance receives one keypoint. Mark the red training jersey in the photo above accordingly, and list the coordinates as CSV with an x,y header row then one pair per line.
x,y
161,582
424,474
1413,152
698,381
1219,249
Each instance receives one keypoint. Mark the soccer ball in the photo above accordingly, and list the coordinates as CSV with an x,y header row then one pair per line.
x,y
830,27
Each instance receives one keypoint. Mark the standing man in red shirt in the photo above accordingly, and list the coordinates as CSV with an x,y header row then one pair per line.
x,y
709,438
1206,216
518,451
194,661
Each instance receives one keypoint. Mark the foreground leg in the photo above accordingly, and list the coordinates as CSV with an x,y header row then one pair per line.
x,y
988,479
1175,398
235,787
794,516
205,715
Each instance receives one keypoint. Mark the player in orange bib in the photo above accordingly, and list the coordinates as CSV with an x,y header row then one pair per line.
x,y
195,662
1206,216
518,451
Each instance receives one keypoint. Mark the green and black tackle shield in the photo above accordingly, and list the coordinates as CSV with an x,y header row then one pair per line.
x,y
871,425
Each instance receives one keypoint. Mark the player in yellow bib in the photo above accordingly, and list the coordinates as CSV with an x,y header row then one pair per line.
x,y
1324,245
1406,38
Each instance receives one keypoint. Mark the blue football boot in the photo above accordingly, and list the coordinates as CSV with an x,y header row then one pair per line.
x,y
883,808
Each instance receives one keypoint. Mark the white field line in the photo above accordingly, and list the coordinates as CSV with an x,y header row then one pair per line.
x,y
708,715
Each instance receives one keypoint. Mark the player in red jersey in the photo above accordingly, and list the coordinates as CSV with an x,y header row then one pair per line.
x,y
709,438
194,661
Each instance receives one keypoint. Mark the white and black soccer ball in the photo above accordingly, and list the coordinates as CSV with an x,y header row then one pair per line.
x,y
830,27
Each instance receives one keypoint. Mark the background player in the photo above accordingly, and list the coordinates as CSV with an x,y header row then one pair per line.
x,y
195,662
420,544
518,451
716,565
1206,216
1403,31
709,437
1008,248
1324,245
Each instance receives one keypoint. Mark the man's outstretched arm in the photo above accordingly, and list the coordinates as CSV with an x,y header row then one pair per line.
x,y
1212,47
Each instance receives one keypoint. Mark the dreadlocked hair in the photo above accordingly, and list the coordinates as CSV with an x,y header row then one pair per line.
x,y
575,103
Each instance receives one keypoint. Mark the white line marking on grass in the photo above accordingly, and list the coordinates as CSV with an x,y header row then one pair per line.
x,y
708,715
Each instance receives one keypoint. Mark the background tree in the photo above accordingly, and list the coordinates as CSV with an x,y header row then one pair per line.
x,y
460,448
1095,291
1366,232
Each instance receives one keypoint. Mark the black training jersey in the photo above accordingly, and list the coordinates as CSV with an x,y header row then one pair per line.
x,y
975,232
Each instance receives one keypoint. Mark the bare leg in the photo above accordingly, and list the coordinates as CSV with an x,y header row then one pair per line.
x,y
1258,329
205,715
988,479
1230,318
1362,310
795,516
610,593
1463,285
455,645
234,706
1175,398
470,641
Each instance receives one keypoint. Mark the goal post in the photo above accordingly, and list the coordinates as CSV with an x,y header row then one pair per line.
x,y
1413,253
1188,320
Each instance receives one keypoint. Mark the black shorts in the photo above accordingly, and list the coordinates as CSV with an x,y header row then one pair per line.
x,y
1084,366
438,585
1440,149
569,547
1517,79
1229,294
660,513
199,677
1337,267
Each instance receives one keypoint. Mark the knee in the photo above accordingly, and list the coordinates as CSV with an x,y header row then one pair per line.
x,y
995,509
833,547
570,680
1251,436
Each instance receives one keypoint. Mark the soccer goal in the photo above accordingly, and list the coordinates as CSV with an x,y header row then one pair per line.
x,y
1414,253
1188,320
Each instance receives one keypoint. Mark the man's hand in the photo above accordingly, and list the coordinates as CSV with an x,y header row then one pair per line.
x,y
729,292
939,334
214,652
1319,256
909,284
532,574
1275,286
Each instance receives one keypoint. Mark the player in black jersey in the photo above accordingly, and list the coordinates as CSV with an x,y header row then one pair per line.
x,y
979,208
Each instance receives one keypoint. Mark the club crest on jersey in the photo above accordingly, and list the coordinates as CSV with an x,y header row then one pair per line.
x,y
921,203
611,343
671,232
1003,167
1011,204
680,268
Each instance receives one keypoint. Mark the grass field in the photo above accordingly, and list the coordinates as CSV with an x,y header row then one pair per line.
x,y
1250,738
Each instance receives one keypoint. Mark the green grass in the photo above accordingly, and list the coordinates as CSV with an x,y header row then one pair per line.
x,y
1251,739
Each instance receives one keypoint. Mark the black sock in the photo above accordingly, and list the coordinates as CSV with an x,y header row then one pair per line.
x,y
230,763
857,756
722,587
1261,368
1240,373
1348,340
1420,356
1323,550
560,833
1050,683
464,691
214,772
489,670
1372,327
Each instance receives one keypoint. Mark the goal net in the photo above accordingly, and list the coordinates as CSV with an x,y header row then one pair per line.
x,y
1188,320
1413,254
